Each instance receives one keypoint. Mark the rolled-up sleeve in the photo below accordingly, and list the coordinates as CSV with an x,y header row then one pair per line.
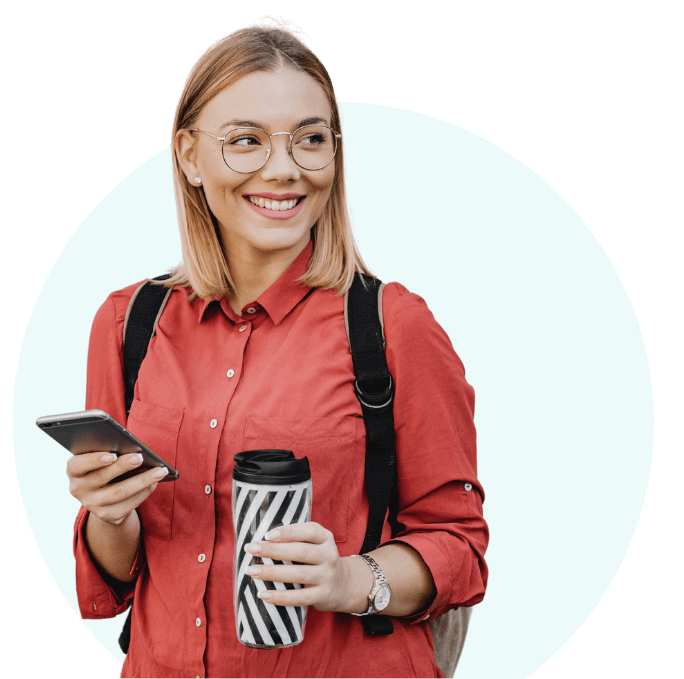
x,y
99,596
439,496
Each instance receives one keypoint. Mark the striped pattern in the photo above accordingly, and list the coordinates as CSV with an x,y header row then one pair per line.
x,y
257,509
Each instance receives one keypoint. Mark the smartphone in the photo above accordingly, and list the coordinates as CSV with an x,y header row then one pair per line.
x,y
91,431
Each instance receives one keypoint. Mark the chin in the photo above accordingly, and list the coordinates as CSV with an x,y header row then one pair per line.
x,y
279,239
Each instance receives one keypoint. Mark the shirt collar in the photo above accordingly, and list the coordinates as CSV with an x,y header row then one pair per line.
x,y
280,298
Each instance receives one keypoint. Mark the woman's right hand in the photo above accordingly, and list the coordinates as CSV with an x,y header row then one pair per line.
x,y
89,476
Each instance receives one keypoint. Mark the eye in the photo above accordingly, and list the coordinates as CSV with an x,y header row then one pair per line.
x,y
313,139
245,140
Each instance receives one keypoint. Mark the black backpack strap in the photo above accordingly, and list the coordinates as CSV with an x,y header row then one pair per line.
x,y
142,316
140,324
375,391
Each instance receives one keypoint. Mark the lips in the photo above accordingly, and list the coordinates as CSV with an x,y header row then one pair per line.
x,y
275,196
276,214
275,205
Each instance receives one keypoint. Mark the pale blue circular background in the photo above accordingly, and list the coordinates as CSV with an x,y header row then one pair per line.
x,y
533,307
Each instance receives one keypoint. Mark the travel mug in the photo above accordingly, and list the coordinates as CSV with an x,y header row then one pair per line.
x,y
271,488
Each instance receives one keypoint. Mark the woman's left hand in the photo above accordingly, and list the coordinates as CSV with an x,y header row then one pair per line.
x,y
319,567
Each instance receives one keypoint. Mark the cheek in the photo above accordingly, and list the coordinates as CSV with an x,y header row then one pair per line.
x,y
221,202
324,186
220,192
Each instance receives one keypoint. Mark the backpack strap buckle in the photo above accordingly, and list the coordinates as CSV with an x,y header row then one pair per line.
x,y
377,401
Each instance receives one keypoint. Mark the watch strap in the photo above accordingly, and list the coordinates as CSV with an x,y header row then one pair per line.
x,y
380,580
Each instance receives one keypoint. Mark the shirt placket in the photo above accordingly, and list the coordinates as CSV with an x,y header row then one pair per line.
x,y
215,421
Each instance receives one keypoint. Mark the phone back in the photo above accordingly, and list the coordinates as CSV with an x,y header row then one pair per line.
x,y
88,435
91,431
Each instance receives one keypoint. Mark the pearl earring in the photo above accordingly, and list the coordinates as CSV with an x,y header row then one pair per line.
x,y
198,180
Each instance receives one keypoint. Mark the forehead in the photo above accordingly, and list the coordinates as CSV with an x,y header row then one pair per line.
x,y
276,99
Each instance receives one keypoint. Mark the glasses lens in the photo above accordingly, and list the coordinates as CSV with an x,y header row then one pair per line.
x,y
313,147
245,149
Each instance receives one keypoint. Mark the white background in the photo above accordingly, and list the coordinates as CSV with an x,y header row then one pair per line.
x,y
564,411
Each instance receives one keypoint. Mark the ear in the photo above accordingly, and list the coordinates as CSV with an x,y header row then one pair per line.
x,y
185,148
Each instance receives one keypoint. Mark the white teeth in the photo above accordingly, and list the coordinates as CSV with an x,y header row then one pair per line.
x,y
274,205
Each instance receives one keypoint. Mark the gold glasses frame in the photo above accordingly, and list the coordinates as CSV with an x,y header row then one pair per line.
x,y
336,136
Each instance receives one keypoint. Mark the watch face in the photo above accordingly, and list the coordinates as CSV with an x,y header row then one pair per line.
x,y
382,598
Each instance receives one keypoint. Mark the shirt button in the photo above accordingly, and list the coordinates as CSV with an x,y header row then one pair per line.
x,y
213,424
230,373
207,489
202,558
251,310
94,607
198,622
468,486
425,617
243,328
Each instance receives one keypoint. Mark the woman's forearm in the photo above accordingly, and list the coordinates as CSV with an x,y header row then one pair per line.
x,y
413,588
114,547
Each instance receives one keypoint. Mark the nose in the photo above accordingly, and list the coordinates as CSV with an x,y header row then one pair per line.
x,y
280,166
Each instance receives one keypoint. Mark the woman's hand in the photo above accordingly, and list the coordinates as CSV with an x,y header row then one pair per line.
x,y
318,567
89,476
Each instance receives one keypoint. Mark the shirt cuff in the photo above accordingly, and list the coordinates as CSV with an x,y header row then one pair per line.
x,y
440,568
99,595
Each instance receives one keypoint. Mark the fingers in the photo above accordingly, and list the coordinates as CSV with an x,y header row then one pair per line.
x,y
80,465
299,532
102,466
306,596
316,565
122,491
301,574
268,579
90,475
95,470
300,542
117,513
302,552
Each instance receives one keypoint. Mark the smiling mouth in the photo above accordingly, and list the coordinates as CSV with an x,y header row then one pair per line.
x,y
275,205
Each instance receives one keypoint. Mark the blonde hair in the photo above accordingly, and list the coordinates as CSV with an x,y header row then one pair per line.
x,y
335,257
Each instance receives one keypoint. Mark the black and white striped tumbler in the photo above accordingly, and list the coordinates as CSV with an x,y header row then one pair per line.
x,y
271,488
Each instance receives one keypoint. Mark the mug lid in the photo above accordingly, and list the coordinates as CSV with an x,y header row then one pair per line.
x,y
270,467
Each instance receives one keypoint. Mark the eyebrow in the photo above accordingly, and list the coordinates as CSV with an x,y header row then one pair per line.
x,y
256,123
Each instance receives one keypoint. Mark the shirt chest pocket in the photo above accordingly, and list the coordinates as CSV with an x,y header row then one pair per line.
x,y
158,429
331,445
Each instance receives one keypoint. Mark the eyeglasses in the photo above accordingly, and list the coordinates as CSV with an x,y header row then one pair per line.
x,y
247,149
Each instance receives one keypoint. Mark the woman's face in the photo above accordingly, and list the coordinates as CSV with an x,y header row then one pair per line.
x,y
277,101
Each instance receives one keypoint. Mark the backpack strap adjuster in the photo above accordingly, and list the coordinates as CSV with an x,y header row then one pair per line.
x,y
387,396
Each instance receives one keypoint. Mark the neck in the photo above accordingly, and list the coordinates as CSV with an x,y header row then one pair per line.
x,y
254,271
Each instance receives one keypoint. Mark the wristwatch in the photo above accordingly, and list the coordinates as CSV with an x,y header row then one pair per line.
x,y
379,596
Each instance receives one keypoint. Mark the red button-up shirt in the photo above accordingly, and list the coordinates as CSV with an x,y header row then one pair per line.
x,y
281,376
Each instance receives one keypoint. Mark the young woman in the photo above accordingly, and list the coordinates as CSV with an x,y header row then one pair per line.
x,y
251,352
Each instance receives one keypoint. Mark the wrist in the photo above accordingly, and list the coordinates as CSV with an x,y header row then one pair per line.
x,y
130,523
113,547
358,583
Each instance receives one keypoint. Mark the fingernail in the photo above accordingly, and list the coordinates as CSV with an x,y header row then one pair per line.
x,y
251,548
153,486
272,535
253,570
136,460
265,595
160,473
107,458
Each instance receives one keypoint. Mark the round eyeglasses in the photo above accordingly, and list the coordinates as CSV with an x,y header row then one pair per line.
x,y
247,149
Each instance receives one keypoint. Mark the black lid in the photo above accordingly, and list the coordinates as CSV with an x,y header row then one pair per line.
x,y
270,466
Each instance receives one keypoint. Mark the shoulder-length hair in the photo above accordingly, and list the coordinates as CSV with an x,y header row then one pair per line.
x,y
335,257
